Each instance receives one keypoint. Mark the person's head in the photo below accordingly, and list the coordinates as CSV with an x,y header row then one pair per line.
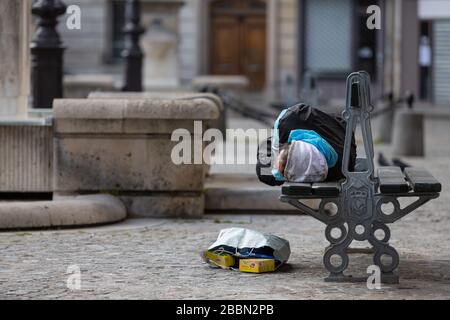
x,y
300,161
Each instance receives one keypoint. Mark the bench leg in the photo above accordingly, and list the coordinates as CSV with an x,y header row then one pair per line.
x,y
385,257
336,258
336,255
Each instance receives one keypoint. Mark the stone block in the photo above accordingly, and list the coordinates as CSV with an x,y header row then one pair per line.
x,y
218,123
123,146
177,95
121,163
121,109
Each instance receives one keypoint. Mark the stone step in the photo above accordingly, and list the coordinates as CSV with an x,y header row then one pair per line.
x,y
243,192
63,212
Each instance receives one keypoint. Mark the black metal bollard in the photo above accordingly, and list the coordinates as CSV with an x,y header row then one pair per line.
x,y
133,53
47,54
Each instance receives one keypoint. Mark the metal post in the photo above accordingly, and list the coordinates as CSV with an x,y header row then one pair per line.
x,y
47,54
133,53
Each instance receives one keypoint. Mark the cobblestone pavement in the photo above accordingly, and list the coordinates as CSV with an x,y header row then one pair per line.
x,y
159,259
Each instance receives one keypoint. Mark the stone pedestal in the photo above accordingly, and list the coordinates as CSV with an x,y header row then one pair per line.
x,y
124,147
160,43
14,57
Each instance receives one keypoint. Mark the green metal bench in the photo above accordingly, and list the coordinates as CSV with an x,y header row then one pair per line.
x,y
355,208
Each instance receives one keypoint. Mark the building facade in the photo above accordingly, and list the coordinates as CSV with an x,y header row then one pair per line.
x,y
435,50
285,47
262,35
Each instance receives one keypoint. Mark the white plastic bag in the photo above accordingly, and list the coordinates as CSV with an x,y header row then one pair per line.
x,y
240,238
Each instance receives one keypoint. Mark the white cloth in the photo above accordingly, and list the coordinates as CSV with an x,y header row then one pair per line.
x,y
240,238
305,163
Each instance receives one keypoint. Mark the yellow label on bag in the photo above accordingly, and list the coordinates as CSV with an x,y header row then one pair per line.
x,y
257,265
220,259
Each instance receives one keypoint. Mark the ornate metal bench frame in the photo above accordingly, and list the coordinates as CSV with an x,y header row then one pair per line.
x,y
359,205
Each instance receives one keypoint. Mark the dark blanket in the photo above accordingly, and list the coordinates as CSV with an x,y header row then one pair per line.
x,y
301,116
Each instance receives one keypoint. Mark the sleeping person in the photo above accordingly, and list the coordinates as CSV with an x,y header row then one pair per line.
x,y
305,160
307,146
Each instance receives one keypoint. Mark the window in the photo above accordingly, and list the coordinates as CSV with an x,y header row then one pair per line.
x,y
118,22
327,32
336,37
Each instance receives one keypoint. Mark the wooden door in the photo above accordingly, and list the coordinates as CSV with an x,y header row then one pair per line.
x,y
238,39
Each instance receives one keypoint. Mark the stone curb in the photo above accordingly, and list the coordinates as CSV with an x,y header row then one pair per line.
x,y
73,212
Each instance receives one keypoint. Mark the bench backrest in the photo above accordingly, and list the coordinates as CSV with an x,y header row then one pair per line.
x,y
360,185
357,112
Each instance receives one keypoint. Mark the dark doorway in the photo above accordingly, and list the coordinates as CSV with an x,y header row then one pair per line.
x,y
238,39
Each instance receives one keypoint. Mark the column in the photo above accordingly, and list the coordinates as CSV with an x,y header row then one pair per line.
x,y
15,17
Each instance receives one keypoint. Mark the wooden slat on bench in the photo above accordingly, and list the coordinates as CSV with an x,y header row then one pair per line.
x,y
392,180
422,180
296,189
326,189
